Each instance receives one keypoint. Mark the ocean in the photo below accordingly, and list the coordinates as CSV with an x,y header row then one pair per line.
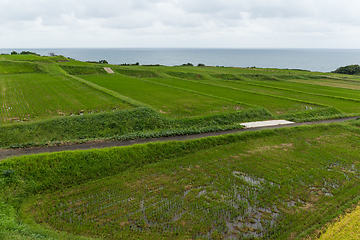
x,y
322,60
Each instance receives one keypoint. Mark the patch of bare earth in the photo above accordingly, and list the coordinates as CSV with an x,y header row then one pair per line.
x,y
109,70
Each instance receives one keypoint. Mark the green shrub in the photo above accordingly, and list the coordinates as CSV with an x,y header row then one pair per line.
x,y
187,65
350,69
103,62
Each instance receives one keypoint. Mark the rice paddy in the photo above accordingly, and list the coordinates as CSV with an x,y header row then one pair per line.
x,y
169,101
269,188
26,97
270,184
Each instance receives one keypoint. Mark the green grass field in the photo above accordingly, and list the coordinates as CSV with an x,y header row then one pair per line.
x,y
169,101
286,183
37,96
345,100
9,67
273,184
34,88
273,103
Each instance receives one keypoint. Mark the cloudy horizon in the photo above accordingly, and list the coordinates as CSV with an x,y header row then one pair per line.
x,y
179,24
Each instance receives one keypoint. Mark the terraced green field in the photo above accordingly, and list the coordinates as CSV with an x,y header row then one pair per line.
x,y
167,100
274,103
274,184
9,67
342,99
177,92
36,88
27,97
271,184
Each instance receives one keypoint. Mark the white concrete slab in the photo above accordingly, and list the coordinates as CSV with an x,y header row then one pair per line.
x,y
109,70
265,123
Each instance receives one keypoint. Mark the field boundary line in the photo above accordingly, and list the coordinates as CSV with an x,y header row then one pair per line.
x,y
200,93
112,93
263,94
292,90
314,84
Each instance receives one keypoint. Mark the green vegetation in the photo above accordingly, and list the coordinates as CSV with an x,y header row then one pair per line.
x,y
135,72
351,69
118,125
10,67
275,104
185,75
25,57
27,97
272,184
179,100
80,70
167,100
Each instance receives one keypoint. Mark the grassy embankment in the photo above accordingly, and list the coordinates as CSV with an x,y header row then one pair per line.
x,y
249,195
273,184
179,100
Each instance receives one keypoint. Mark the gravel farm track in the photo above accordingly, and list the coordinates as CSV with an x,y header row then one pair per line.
x,y
7,153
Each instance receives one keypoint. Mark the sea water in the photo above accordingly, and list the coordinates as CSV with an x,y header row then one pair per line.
x,y
322,60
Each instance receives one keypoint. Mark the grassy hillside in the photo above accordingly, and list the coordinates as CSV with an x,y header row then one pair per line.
x,y
34,88
273,184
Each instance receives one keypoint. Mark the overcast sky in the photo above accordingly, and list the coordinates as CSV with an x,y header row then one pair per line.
x,y
180,23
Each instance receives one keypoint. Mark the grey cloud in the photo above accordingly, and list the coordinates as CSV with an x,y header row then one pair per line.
x,y
218,19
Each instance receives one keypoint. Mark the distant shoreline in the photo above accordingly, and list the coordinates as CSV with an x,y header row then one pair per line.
x,y
317,60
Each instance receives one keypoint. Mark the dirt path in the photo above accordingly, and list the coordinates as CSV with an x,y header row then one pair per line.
x,y
109,70
97,145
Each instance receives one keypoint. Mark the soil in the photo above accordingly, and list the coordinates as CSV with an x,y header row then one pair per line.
x,y
102,144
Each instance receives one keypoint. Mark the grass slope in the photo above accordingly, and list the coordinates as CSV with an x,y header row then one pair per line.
x,y
37,87
273,184
118,125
